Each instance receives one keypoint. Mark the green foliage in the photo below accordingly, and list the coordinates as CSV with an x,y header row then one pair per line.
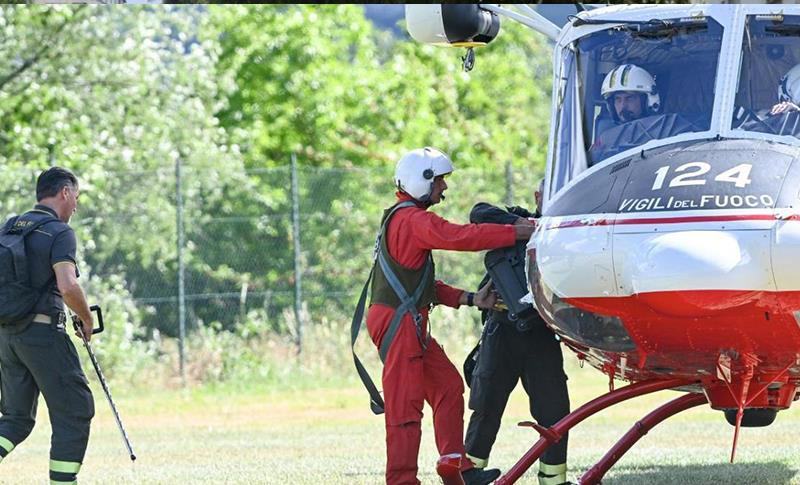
x,y
124,96
320,82
121,118
123,350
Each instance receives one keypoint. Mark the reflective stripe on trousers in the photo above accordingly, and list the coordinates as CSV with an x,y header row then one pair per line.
x,y
5,447
64,472
552,474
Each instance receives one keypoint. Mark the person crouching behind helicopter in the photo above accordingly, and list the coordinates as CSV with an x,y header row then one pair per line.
x,y
416,368
507,355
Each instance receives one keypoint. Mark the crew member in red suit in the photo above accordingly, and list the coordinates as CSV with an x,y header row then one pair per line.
x,y
416,368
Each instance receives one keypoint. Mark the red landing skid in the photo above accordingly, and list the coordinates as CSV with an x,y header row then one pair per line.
x,y
687,401
553,434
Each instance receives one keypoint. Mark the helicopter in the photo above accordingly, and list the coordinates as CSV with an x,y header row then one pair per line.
x,y
665,251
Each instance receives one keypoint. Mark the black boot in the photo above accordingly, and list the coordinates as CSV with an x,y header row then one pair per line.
x,y
479,476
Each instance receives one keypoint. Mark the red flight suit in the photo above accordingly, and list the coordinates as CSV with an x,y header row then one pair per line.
x,y
411,376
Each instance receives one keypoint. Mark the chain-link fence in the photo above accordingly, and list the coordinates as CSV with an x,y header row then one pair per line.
x,y
281,246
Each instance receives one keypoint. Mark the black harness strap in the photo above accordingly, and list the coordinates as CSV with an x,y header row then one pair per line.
x,y
18,250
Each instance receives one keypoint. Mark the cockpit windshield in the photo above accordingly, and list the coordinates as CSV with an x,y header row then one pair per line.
x,y
768,95
632,83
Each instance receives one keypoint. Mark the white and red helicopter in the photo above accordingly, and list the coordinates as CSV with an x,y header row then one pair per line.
x,y
668,252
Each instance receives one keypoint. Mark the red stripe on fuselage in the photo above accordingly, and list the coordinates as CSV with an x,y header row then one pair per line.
x,y
588,221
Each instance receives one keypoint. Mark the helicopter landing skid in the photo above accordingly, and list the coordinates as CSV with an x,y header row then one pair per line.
x,y
687,401
554,433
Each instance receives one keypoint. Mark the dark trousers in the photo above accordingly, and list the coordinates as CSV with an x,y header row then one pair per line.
x,y
42,358
506,356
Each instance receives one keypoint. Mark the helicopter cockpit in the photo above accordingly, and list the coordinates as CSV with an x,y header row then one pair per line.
x,y
627,82
668,67
770,51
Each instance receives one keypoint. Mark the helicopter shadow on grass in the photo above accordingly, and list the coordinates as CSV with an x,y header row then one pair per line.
x,y
773,473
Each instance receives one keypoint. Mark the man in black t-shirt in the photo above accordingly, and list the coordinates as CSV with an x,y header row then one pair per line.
x,y
36,353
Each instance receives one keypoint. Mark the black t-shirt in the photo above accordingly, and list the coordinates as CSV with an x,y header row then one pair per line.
x,y
51,243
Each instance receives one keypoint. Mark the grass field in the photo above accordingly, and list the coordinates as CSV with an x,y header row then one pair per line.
x,y
328,435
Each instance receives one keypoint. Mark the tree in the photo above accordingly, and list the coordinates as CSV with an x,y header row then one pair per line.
x,y
123,95
320,82
118,96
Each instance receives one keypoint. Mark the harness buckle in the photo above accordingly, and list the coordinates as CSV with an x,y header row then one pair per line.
x,y
423,341
60,321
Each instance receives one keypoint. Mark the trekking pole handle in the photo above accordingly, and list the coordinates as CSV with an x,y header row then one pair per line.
x,y
96,309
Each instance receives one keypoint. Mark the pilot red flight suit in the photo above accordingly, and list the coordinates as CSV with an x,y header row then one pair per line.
x,y
411,375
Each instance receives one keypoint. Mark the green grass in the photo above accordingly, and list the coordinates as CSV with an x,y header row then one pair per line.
x,y
242,435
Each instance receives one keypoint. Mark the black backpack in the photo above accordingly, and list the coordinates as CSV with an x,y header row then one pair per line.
x,y
17,297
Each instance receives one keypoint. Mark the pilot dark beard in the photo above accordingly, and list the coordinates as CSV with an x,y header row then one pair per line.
x,y
626,115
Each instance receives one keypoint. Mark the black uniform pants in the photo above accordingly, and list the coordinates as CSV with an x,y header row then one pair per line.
x,y
506,356
41,358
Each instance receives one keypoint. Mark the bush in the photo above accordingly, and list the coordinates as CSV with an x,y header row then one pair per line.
x,y
123,350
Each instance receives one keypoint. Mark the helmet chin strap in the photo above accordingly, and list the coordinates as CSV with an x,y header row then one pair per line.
x,y
425,199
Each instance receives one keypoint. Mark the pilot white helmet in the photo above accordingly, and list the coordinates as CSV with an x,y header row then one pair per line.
x,y
630,77
416,170
789,87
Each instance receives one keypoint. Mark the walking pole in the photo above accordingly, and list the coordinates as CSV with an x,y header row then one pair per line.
x,y
76,322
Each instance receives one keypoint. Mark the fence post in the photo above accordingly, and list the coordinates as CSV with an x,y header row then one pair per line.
x,y
243,303
298,294
181,283
51,153
509,184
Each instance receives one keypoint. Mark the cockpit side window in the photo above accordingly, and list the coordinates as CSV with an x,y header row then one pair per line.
x,y
569,152
630,84
768,94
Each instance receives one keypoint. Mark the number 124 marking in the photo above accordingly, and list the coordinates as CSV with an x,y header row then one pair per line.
x,y
693,174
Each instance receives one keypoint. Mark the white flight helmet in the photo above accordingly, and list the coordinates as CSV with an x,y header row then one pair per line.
x,y
630,77
789,87
416,170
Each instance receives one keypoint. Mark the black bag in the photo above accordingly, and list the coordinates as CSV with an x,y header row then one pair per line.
x,y
17,297
506,267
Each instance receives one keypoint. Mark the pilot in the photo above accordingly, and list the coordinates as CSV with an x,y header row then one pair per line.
x,y
788,92
630,92
766,119
507,355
